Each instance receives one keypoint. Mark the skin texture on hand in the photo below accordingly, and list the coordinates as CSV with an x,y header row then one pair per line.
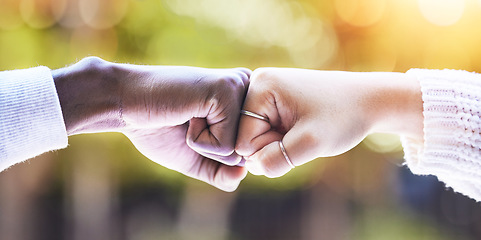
x,y
322,114
184,118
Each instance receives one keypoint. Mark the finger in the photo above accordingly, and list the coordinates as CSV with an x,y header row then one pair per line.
x,y
216,133
254,167
300,146
226,178
251,127
254,133
247,71
232,160
246,74
217,138
200,139
257,144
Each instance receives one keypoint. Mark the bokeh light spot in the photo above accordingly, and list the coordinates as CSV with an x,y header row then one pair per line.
x,y
360,13
102,14
445,54
361,56
94,42
42,13
442,12
71,16
383,143
9,14
308,40
317,48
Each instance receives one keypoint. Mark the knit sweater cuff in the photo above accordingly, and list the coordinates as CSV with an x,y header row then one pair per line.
x,y
451,148
31,120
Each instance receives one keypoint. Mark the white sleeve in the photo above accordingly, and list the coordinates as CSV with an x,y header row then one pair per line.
x,y
31,120
451,148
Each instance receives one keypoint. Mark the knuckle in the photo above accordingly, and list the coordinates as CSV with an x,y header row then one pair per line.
x,y
93,62
227,90
244,71
231,83
264,75
94,65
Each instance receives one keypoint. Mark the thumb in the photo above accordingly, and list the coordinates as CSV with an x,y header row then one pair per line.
x,y
226,178
300,146
200,139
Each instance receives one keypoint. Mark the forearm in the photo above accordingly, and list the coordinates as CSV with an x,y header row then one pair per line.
x,y
90,96
394,103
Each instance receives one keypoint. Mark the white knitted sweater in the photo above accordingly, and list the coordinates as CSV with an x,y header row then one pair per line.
x,y
451,149
31,120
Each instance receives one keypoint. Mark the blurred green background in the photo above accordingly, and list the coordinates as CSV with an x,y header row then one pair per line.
x,y
100,187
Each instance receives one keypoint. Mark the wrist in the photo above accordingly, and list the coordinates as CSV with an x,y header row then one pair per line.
x,y
395,104
89,95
